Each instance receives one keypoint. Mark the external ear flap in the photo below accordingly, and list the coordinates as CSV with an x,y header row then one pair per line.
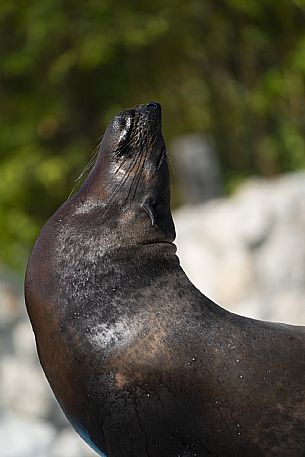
x,y
147,206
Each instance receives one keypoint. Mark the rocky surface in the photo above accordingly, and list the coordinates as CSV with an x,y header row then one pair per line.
x,y
197,168
246,252
31,422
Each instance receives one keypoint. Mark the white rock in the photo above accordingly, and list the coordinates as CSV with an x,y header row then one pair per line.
x,y
280,263
254,216
253,306
24,341
24,437
69,444
235,277
24,388
247,251
11,304
288,307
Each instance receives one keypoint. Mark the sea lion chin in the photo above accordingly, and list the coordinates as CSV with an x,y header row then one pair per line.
x,y
142,363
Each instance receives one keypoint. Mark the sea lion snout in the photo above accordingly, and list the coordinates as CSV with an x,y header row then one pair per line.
x,y
134,127
151,110
154,105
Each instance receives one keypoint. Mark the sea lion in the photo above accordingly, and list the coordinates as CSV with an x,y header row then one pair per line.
x,y
141,362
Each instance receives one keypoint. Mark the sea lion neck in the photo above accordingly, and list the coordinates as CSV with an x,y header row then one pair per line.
x,y
131,175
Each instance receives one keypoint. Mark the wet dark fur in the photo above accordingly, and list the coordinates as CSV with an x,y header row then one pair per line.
x,y
141,362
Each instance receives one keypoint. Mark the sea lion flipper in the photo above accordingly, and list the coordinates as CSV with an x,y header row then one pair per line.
x,y
147,206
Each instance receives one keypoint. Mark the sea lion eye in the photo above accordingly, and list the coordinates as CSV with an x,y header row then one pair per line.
x,y
123,127
123,122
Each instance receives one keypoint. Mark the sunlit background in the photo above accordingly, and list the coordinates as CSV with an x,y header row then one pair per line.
x,y
230,76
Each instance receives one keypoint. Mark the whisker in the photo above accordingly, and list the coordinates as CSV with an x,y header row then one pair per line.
x,y
119,186
171,164
145,155
86,169
134,179
140,174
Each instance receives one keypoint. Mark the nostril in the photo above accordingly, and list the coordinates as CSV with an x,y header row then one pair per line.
x,y
154,105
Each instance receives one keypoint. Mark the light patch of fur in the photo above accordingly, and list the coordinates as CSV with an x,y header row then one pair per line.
x,y
140,356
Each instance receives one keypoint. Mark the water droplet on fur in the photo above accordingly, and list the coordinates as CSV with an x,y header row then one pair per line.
x,y
237,360
241,376
193,360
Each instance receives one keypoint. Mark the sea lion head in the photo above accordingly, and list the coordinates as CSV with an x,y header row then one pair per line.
x,y
131,172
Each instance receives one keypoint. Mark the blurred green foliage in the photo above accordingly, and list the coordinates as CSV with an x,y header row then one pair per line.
x,y
234,69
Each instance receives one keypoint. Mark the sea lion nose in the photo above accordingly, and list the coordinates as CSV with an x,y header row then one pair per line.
x,y
154,105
